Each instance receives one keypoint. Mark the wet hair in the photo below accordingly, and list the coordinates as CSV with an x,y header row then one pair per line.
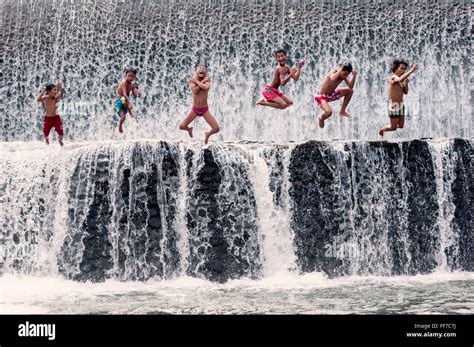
x,y
347,67
50,86
281,50
397,62
132,70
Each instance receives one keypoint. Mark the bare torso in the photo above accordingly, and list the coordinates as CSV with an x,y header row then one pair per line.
x,y
50,106
279,71
128,86
329,86
395,90
200,98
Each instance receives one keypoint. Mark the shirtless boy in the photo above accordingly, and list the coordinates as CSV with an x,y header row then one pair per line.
x,y
281,76
123,104
50,97
329,91
200,84
397,87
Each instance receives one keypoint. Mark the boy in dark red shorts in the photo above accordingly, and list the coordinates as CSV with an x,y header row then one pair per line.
x,y
200,85
329,91
50,97
281,75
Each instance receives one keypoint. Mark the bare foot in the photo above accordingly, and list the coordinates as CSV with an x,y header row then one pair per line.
x,y
190,131
261,102
321,122
46,140
206,136
344,114
120,128
381,131
61,142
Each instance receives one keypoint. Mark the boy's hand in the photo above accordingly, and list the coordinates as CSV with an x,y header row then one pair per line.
x,y
354,73
414,68
341,63
60,84
301,63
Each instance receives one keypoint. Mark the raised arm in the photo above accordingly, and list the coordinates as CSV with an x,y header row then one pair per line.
x,y
396,79
40,96
297,73
351,83
61,91
135,90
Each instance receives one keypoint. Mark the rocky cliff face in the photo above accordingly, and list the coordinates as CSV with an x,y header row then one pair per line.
x,y
135,211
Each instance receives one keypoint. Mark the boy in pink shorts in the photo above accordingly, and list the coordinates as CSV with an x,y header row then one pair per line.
x,y
281,75
200,85
329,91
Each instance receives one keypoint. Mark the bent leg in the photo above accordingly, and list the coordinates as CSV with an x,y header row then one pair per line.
x,y
287,100
214,126
122,119
392,127
186,121
278,102
347,93
327,112
401,122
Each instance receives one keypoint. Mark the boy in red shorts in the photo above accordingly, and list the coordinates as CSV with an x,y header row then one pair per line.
x,y
281,75
200,85
329,91
50,97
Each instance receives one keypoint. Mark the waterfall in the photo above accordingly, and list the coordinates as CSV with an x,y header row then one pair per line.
x,y
155,209
88,43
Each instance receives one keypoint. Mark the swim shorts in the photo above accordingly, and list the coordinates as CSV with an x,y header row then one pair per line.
x,y
52,122
200,110
270,93
120,105
336,95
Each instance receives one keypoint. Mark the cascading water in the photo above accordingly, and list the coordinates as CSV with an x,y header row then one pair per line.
x,y
214,226
88,44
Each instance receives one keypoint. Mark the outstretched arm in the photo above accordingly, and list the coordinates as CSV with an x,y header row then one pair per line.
x,y
352,81
40,96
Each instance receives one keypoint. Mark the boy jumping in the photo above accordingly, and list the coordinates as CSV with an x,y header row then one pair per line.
x,y
397,86
200,85
281,75
328,91
123,104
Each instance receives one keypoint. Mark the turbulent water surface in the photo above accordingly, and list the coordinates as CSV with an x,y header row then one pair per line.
x,y
275,215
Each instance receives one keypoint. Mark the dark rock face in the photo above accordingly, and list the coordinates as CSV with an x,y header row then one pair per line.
x,y
137,214
222,226
422,206
313,190
357,208
463,193
377,197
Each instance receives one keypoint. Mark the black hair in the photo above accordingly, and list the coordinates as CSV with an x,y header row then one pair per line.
x,y
281,50
132,70
397,62
347,67
50,86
